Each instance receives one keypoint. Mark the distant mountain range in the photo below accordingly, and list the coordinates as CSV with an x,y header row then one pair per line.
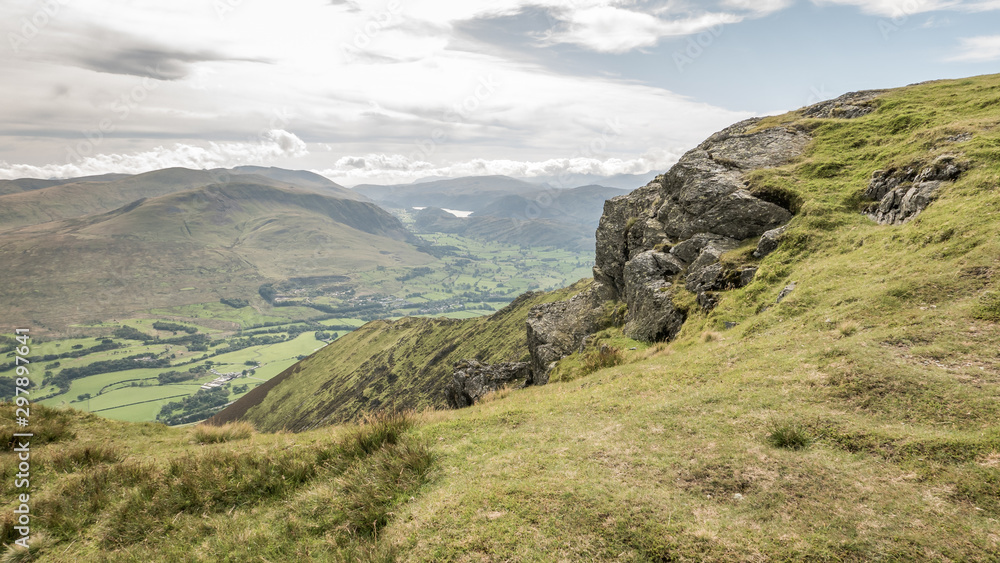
x,y
504,209
90,248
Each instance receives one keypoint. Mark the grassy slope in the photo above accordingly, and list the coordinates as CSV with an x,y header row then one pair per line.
x,y
385,364
220,241
884,358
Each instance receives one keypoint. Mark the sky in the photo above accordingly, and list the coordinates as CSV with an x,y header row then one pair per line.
x,y
390,91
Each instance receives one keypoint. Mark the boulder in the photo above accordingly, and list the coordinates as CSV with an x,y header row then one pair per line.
x,y
652,315
689,250
471,380
768,242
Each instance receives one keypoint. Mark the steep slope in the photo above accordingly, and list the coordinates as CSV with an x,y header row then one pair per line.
x,y
836,400
195,246
404,364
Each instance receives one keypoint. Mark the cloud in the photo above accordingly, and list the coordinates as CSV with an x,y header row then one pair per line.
x,y
981,49
758,7
106,50
395,168
271,145
905,8
607,29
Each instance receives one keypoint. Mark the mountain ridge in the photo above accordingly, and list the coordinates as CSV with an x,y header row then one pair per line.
x,y
221,240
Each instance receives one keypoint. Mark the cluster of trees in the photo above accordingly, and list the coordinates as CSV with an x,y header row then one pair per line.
x,y
199,406
173,376
174,327
415,273
235,302
126,332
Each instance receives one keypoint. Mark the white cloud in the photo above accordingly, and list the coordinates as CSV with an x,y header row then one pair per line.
x,y
608,29
396,168
272,145
758,7
906,8
980,49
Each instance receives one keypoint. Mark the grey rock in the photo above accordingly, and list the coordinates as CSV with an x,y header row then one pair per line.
x,y
903,204
689,250
711,253
729,324
652,316
960,138
707,301
556,330
785,292
902,193
701,198
704,279
848,106
768,242
649,296
746,275
471,380
944,168
706,272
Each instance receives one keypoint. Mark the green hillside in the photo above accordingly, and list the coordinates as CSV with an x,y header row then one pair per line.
x,y
853,420
194,246
395,365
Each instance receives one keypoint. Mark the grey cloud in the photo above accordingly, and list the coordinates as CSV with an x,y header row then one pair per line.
x,y
115,52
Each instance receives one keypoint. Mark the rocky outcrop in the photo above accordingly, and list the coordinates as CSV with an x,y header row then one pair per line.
x,y
699,210
671,235
556,330
471,380
902,193
848,106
